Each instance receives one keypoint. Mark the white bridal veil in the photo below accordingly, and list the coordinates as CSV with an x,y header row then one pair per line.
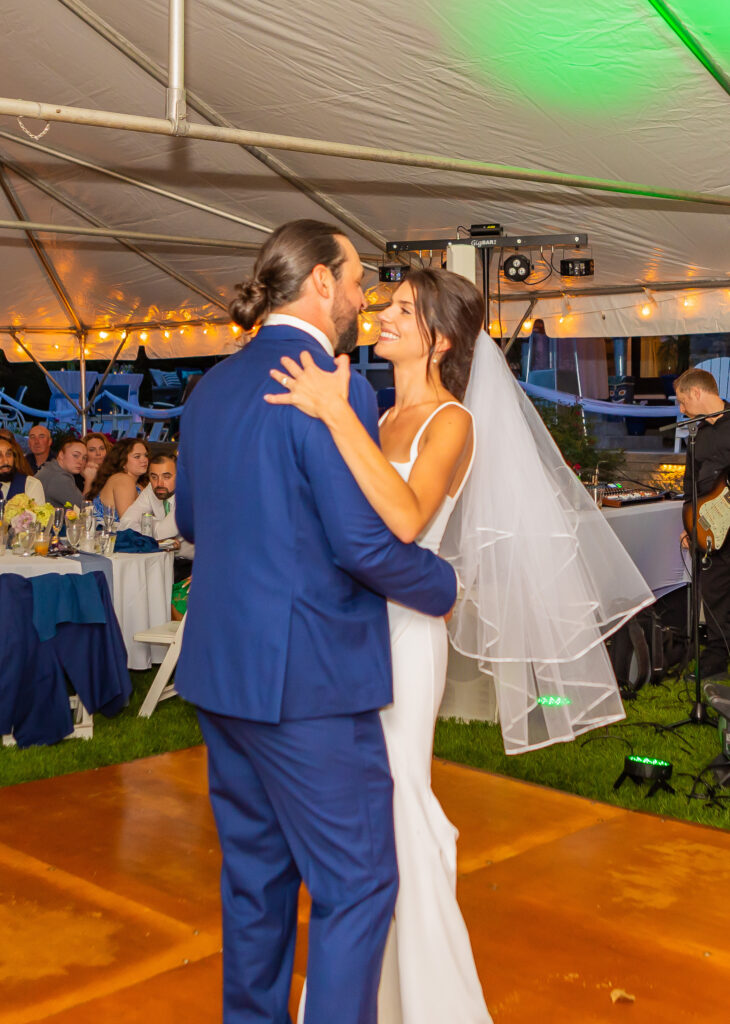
x,y
545,579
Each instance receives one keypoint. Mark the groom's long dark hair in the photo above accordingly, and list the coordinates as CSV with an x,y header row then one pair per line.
x,y
284,262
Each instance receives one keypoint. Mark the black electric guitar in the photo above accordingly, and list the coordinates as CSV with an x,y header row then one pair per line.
x,y
713,515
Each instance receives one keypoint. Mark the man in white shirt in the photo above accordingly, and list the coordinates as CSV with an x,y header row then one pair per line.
x,y
15,476
158,500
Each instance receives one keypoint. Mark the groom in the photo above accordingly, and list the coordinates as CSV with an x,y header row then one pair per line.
x,y
286,652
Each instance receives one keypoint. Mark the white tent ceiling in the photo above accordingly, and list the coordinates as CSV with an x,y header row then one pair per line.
x,y
604,89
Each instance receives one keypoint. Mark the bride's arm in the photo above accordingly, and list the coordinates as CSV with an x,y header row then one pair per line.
x,y
405,507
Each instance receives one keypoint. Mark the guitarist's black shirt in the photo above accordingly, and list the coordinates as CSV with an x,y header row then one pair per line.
x,y
712,454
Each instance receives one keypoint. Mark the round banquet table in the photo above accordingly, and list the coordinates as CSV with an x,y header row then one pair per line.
x,y
141,591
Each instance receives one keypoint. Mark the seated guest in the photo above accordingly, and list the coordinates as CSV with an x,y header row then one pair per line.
x,y
120,478
15,474
39,443
98,447
158,499
57,475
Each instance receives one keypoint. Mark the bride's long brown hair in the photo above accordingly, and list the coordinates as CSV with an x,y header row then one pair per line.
x,y
448,305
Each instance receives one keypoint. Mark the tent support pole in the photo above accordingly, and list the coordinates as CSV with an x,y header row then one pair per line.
x,y
80,211
373,154
691,42
100,383
175,110
199,105
44,371
166,193
45,261
82,383
518,328
68,229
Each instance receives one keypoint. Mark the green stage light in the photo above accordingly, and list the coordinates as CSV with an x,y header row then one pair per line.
x,y
554,702
646,769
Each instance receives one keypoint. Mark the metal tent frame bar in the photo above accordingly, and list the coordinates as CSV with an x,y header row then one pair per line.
x,y
214,117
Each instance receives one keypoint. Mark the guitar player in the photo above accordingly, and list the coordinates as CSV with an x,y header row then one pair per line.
x,y
697,395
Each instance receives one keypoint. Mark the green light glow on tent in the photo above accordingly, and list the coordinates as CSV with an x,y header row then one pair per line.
x,y
573,58
554,702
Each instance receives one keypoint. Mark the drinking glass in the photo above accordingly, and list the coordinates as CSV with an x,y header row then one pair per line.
x,y
41,538
73,533
108,517
58,516
25,540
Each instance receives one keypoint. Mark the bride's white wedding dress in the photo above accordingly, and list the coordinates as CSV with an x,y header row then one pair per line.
x,y
429,976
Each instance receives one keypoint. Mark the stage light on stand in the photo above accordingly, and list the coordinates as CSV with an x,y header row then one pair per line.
x,y
517,267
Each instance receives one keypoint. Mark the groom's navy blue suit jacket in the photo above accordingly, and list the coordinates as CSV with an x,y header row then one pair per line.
x,y
286,615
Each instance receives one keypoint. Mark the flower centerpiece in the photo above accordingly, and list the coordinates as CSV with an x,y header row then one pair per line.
x,y
21,512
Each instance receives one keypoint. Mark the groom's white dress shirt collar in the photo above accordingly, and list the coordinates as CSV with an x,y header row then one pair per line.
x,y
282,319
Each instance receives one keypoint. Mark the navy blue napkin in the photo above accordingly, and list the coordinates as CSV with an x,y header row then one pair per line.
x,y
129,541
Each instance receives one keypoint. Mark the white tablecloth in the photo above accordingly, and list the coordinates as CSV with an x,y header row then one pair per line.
x,y
142,592
650,533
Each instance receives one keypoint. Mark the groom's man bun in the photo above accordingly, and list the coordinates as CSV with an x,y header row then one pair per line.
x,y
284,263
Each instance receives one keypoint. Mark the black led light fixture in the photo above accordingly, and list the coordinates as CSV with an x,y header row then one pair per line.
x,y
646,769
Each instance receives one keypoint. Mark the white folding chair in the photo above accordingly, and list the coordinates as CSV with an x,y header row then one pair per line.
x,y
170,634
83,724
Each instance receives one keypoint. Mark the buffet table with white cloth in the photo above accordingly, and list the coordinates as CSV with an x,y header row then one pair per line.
x,y
141,590
649,532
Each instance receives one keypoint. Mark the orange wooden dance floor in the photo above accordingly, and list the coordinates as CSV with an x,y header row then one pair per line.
x,y
110,911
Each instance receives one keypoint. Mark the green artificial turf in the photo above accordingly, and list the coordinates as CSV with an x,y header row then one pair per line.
x,y
173,726
590,765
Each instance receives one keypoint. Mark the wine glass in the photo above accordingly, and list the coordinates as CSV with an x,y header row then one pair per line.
x,y
73,533
58,516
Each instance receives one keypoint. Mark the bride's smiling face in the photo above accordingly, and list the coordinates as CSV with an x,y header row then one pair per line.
x,y
400,337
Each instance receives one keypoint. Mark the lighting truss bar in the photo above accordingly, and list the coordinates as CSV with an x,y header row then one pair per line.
x,y
319,147
577,239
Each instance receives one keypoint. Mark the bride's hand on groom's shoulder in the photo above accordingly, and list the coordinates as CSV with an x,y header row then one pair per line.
x,y
318,393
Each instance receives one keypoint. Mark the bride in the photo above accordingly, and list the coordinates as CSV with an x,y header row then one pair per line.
x,y
537,596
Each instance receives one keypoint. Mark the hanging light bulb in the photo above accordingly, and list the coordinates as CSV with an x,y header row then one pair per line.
x,y
235,329
565,306
647,307
167,334
124,335
527,326
688,302
144,336
103,335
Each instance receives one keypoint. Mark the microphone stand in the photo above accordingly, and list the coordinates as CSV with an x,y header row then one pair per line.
x,y
698,712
